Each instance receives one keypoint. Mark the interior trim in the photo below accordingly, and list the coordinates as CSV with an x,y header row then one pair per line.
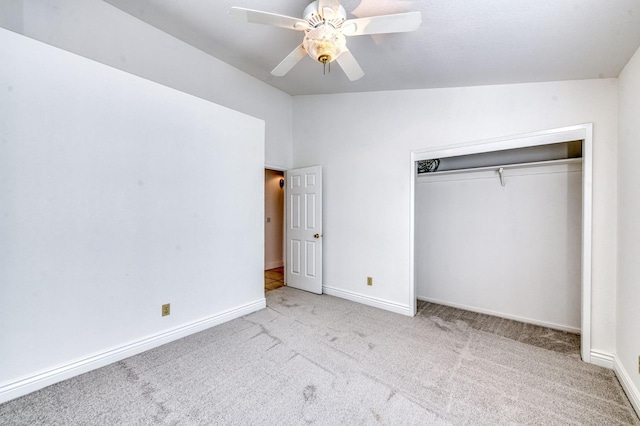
x,y
368,300
602,359
627,384
503,315
25,385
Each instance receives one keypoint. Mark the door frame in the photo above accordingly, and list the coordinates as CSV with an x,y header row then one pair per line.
x,y
582,132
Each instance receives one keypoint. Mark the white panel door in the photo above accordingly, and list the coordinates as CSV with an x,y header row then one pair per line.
x,y
304,228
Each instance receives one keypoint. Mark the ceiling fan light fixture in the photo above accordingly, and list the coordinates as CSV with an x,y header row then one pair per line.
x,y
325,26
324,44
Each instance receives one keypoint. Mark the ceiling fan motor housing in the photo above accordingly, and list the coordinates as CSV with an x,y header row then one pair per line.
x,y
324,42
332,17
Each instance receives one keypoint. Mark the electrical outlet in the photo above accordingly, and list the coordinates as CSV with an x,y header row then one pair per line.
x,y
166,309
369,280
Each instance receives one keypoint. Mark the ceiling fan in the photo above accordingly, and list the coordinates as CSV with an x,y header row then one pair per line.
x,y
325,26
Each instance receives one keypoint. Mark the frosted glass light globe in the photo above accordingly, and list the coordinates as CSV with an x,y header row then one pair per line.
x,y
324,43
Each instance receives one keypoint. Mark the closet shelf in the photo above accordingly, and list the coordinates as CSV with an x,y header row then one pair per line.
x,y
508,170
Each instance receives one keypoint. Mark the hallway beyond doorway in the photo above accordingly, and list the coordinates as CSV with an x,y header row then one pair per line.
x,y
273,278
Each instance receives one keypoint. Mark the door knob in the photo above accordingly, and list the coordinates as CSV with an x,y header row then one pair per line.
x,y
317,236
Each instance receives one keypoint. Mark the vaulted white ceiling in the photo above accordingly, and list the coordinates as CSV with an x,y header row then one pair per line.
x,y
460,42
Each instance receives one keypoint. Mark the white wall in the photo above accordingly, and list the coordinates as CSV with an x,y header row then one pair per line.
x,y
365,159
628,297
99,31
274,219
117,195
367,177
512,251
11,15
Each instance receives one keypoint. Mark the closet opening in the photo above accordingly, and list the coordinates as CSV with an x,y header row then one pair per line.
x,y
503,227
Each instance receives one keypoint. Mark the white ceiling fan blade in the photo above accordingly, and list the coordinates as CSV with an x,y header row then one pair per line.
x,y
328,9
349,65
398,23
289,62
260,17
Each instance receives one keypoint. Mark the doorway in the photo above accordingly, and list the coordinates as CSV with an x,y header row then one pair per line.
x,y
581,133
273,229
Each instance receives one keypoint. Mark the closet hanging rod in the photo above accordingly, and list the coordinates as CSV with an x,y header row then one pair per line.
x,y
505,166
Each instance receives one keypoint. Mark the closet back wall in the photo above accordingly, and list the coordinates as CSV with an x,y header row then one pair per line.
x,y
512,251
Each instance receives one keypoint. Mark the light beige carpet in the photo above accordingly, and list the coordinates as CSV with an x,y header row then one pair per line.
x,y
542,337
310,359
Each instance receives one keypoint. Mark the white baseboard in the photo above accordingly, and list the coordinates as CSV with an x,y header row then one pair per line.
x,y
602,359
25,385
629,388
368,300
503,315
273,265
